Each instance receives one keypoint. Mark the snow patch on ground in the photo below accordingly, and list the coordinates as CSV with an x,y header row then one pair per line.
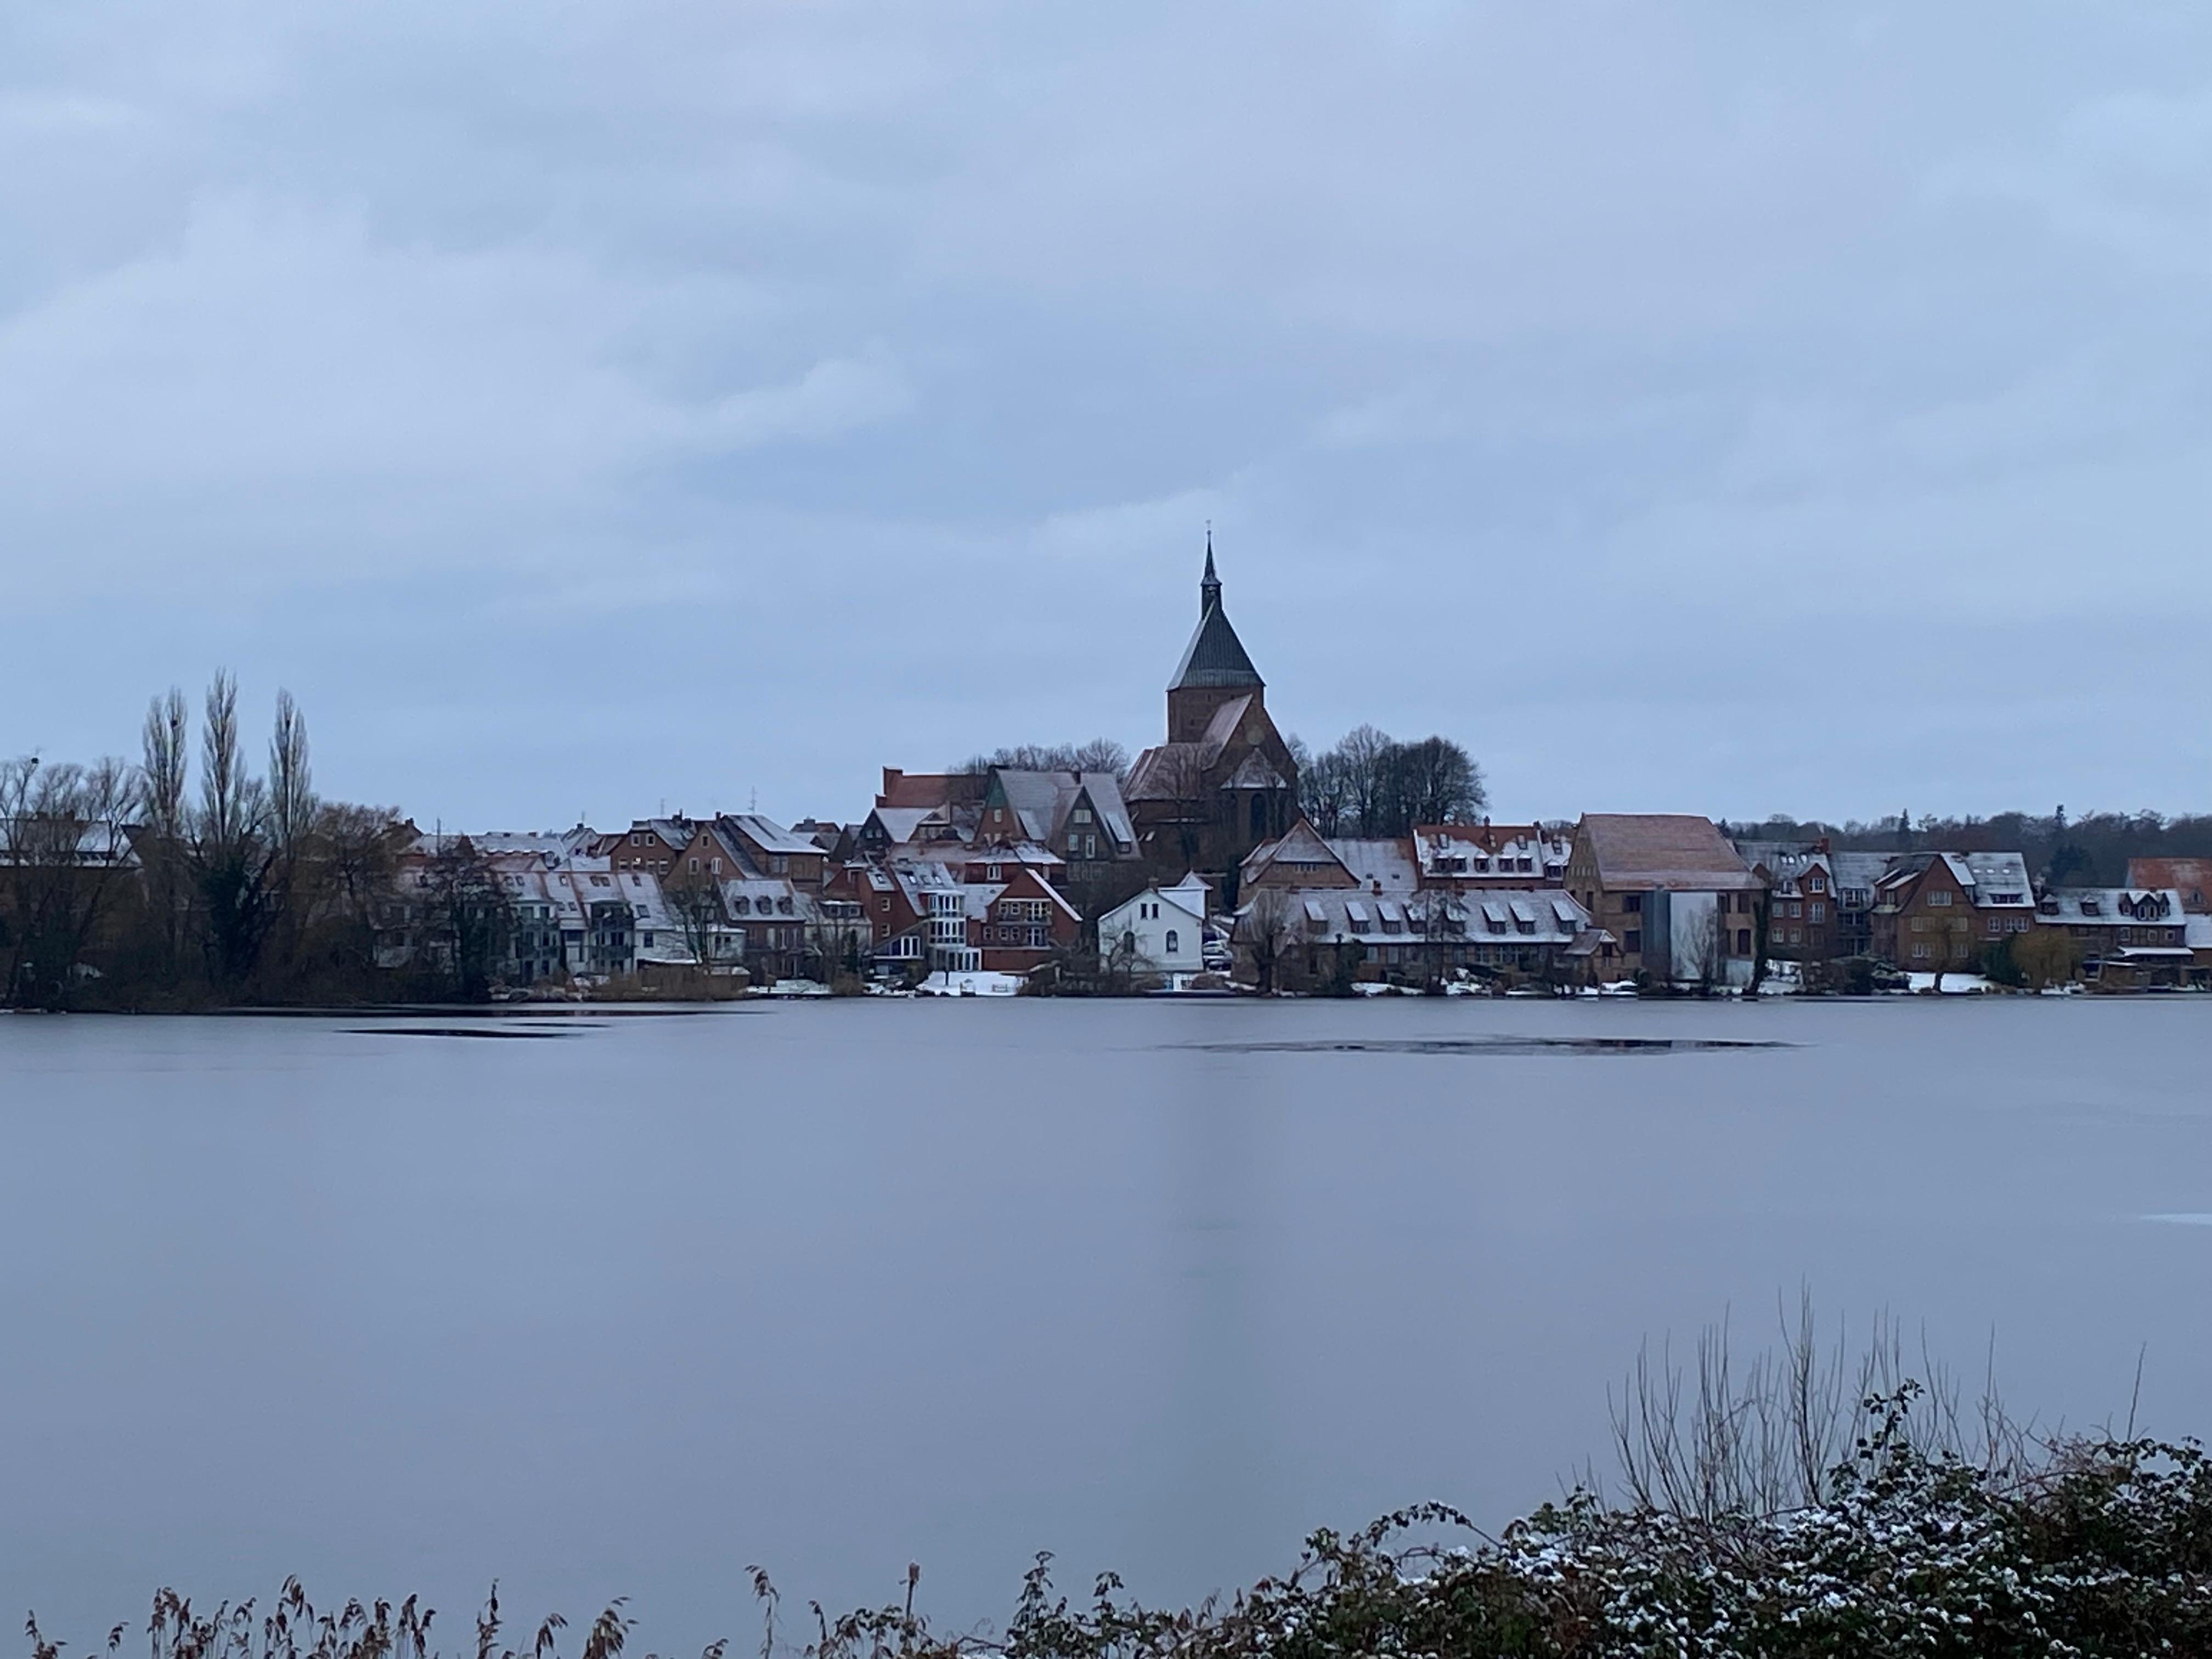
x,y
971,985
1955,985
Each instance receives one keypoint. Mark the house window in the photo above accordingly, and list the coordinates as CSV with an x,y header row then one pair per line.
x,y
1743,941
1819,912
1080,815
1817,884
1631,904
1939,900
991,872
646,940
1920,952
694,866
1632,942
1175,941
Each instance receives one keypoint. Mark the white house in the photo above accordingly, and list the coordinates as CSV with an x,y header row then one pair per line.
x,y
1161,930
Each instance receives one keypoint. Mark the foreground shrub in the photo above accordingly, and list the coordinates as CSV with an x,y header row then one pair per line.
x,y
2097,1546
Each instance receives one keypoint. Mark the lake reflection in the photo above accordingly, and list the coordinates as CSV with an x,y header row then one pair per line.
x,y
1159,1287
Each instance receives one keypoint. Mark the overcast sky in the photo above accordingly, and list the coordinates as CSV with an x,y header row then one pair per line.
x,y
587,407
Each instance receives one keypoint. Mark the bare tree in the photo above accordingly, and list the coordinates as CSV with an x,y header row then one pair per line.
x,y
1370,784
695,899
1098,755
1434,781
474,917
1175,778
1366,756
163,828
230,849
291,818
1325,793
291,786
1267,928
61,838
1695,949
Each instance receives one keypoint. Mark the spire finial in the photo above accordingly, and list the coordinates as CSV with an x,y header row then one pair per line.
x,y
1209,586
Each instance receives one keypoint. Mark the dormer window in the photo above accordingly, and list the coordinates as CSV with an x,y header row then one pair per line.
x,y
2091,907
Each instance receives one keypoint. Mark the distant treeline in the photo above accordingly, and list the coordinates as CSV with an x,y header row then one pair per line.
x,y
143,886
2090,851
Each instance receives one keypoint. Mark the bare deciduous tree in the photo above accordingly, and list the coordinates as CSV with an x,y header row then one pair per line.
x,y
695,899
63,840
1267,928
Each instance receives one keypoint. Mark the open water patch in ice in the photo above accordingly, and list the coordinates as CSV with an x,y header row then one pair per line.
x,y
1492,1047
488,1030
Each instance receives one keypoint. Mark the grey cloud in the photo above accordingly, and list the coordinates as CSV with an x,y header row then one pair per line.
x,y
683,400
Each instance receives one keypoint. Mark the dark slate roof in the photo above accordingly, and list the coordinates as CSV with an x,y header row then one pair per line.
x,y
1215,657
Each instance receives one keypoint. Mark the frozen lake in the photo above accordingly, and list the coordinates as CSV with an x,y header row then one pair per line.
x,y
832,1287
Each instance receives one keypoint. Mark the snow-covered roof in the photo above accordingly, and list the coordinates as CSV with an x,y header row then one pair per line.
x,y
1479,849
900,823
770,835
1992,881
2113,907
1531,917
1389,860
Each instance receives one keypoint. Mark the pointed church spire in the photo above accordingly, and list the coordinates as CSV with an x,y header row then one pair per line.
x,y
1209,586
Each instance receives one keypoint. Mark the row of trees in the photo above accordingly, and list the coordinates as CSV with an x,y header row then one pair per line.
x,y
2089,851
1371,784
1099,754
127,882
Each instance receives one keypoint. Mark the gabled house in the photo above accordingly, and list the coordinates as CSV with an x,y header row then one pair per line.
x,y
888,831
1801,906
734,844
1853,876
775,850
2127,936
1020,924
653,845
1939,912
2190,877
1299,859
1160,930
1671,890
1080,816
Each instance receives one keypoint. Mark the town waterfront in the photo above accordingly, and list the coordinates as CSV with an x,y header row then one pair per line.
x,y
608,1302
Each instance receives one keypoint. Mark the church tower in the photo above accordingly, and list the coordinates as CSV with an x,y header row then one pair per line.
x,y
1225,780
1214,671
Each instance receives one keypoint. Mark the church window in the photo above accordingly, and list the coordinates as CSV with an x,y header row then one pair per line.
x,y
1175,941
